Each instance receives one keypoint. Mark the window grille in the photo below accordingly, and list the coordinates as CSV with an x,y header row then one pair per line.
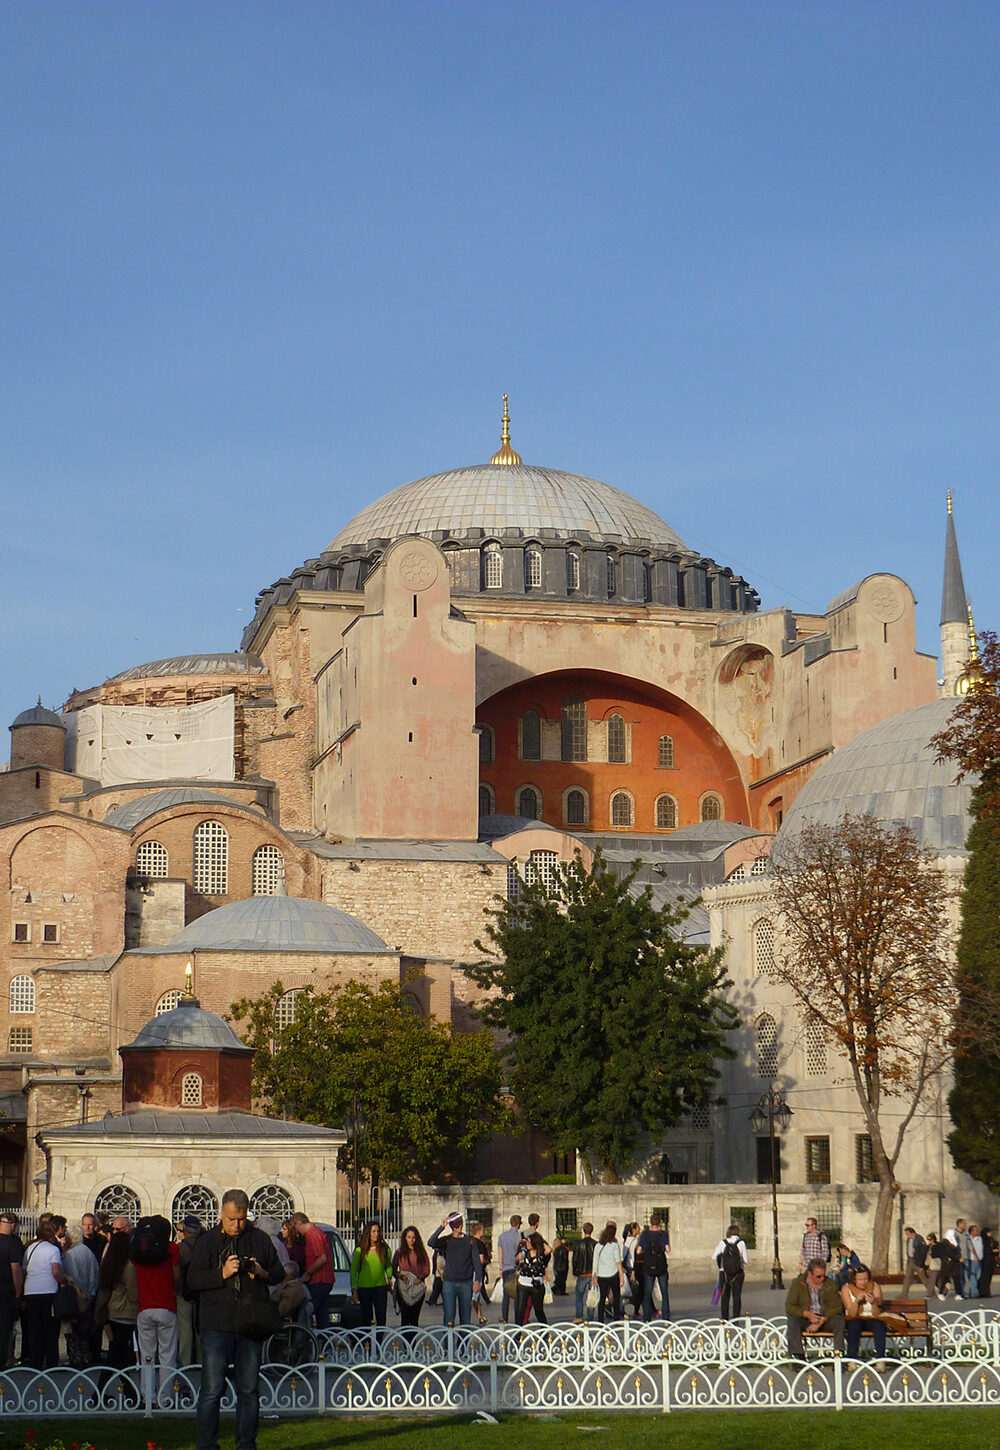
x,y
531,735
513,882
711,808
211,859
572,572
191,1094
486,751
576,808
492,567
567,1223
738,873
196,1199
485,800
745,1220
612,576
19,1040
574,729
268,871
767,1046
50,932
485,1217
272,1200
763,948
533,568
151,860
817,1160
815,1048
529,803
864,1159
543,867
22,995
118,1202
759,867
701,1120
168,1002
666,813
621,809
285,1008
665,754
616,740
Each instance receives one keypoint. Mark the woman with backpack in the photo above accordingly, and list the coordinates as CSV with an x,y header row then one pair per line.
x,y
730,1254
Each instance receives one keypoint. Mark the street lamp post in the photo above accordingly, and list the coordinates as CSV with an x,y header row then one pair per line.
x,y
357,1122
772,1109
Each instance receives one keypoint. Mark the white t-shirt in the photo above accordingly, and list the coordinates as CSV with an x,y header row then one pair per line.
x,y
38,1260
606,1258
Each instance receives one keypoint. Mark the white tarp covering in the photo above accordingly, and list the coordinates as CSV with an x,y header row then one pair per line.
x,y
118,744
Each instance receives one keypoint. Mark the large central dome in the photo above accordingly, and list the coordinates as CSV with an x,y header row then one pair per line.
x,y
499,497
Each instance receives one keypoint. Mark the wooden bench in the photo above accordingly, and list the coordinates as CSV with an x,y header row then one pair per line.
x,y
911,1322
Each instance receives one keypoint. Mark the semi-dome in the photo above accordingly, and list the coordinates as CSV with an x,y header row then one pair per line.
x,y
517,497
890,771
38,715
275,924
188,1025
134,812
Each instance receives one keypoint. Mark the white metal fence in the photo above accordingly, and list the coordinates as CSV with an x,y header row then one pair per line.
x,y
658,1367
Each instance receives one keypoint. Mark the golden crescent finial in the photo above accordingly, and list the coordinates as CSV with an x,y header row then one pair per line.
x,y
973,642
506,455
949,500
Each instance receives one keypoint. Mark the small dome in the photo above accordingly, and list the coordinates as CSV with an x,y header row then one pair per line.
x,y
189,1026
276,924
38,715
890,771
134,812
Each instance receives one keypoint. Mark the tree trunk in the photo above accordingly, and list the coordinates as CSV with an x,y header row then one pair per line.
x,y
611,1174
882,1230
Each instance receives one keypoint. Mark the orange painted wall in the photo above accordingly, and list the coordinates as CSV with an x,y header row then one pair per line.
x,y
702,761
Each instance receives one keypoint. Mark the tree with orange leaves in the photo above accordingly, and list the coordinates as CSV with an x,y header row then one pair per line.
x,y
864,946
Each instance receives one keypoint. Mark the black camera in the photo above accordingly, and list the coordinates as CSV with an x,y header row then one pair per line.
x,y
246,1265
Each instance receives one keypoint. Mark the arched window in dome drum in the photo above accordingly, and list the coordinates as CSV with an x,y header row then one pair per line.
x,y
531,735
666,813
665,757
572,571
191,1090
485,800
616,740
211,859
151,860
529,803
532,568
198,1200
492,567
576,808
268,876
621,809
574,729
711,808
612,576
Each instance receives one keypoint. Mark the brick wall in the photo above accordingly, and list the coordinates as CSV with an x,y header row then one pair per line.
x,y
429,908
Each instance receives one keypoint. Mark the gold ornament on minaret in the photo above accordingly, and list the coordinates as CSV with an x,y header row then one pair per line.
x,y
972,675
506,455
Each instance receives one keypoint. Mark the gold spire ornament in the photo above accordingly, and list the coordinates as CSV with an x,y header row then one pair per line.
x,y
506,455
972,675
189,980
949,500
973,643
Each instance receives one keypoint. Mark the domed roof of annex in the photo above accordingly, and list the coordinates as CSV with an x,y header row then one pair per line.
x,y
38,715
188,1025
519,497
275,924
126,817
890,771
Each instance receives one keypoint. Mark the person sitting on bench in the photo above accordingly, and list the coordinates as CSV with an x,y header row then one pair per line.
x,y
813,1302
863,1306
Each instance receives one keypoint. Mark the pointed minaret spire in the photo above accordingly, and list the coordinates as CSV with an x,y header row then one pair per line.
x,y
506,455
954,613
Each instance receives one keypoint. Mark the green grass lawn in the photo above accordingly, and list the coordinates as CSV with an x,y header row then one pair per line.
x,y
965,1429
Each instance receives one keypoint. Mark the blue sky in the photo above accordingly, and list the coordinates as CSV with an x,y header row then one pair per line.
x,y
263,262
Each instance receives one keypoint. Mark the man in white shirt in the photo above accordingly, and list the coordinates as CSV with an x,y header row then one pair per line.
x,y
730,1254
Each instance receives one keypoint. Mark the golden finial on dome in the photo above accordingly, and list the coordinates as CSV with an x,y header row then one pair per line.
x,y
506,454
189,980
973,644
971,677
949,500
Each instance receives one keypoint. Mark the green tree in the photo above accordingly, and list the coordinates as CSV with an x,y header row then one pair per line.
x,y
614,1026
430,1094
864,945
972,740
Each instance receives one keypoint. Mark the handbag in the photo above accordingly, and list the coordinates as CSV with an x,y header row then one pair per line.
x,y
256,1317
64,1304
548,1296
593,1297
409,1287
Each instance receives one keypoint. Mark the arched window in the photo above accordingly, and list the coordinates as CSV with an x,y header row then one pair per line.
x,y
529,803
612,576
191,1090
711,808
665,755
151,860
486,806
543,867
272,1200
572,571
268,871
647,583
767,1046
616,740
666,813
532,568
487,753
576,808
285,1008
168,1002
531,735
763,948
196,1199
211,859
492,567
117,1201
574,729
621,808
22,994
815,1048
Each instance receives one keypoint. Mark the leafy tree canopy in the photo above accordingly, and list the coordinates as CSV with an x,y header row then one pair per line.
x,y
614,1025
430,1095
972,736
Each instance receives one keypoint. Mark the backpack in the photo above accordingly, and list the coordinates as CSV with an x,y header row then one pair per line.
x,y
151,1240
655,1256
732,1259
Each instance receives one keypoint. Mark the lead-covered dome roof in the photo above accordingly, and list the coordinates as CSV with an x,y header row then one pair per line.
x,y
275,924
188,1025
498,497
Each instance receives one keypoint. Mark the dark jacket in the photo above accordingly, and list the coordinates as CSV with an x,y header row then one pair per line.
x,y
461,1260
798,1300
217,1296
919,1250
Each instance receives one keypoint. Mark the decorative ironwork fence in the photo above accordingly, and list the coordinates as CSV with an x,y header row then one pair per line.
x,y
658,1367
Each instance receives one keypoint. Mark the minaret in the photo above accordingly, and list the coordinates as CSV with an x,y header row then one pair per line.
x,y
954,615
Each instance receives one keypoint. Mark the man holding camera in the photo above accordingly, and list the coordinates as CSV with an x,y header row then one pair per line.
x,y
230,1264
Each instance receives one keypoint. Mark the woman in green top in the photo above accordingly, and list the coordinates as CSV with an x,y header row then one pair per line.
x,y
371,1272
